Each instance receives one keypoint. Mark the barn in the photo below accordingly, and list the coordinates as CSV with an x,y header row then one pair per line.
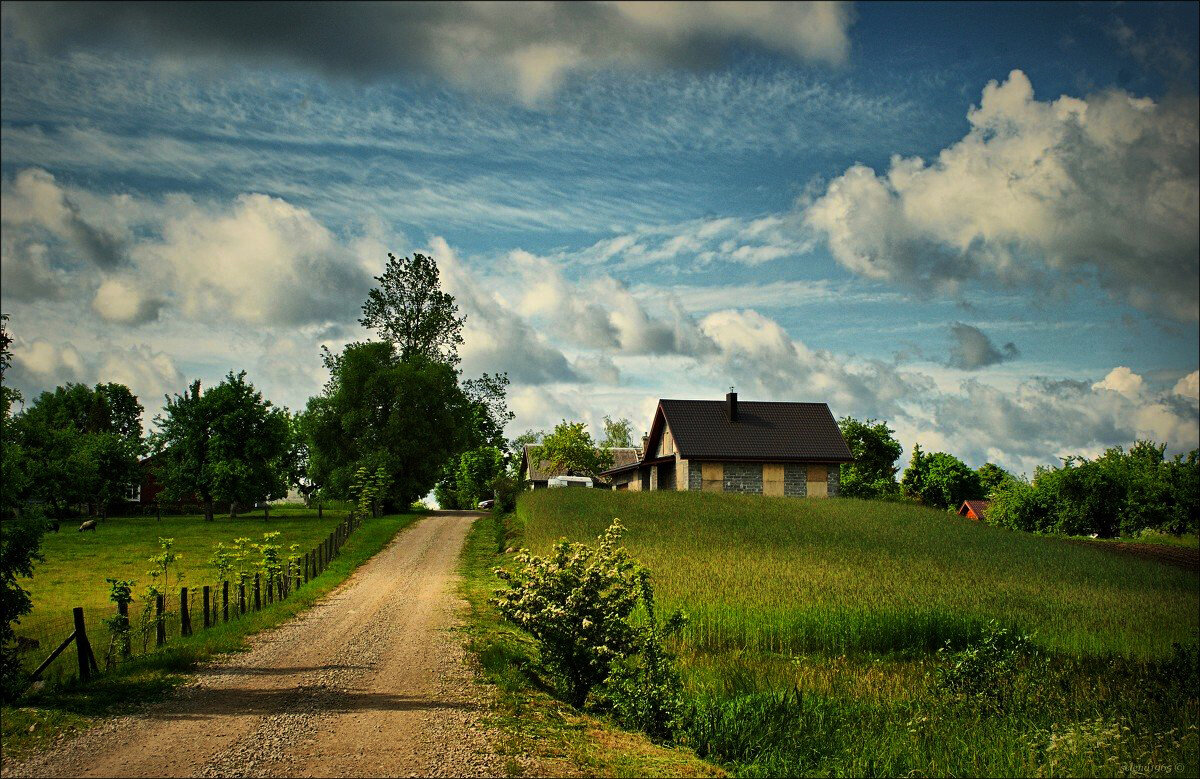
x,y
973,509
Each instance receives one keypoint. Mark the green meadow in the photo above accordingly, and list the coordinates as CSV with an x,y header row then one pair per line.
x,y
77,563
811,646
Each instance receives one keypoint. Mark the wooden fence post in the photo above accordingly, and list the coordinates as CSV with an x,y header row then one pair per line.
x,y
207,614
225,600
241,598
160,632
123,610
317,554
257,596
87,661
185,617
270,588
306,564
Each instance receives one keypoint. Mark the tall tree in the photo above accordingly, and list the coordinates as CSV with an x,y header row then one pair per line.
x,y
23,526
618,432
940,480
227,444
410,310
875,450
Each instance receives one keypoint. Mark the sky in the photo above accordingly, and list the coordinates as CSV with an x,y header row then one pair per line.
x,y
977,222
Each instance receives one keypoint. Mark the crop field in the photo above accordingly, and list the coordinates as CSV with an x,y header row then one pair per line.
x,y
811,646
786,575
77,563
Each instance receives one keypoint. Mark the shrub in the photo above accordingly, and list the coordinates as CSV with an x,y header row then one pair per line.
x,y
578,604
940,480
984,672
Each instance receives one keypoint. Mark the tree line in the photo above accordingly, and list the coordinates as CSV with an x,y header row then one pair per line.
x,y
1119,493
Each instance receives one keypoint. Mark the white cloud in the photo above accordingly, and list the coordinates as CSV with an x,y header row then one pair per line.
x,y
1107,185
1188,386
1122,381
971,349
120,302
34,197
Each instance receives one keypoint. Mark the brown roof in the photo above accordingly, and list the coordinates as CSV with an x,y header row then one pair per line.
x,y
764,431
621,456
978,506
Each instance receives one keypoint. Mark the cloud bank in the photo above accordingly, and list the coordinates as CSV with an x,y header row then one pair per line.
x,y
521,48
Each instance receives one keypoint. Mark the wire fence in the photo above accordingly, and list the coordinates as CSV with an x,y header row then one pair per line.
x,y
147,626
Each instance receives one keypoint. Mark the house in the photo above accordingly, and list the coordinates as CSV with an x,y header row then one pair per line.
x,y
973,509
540,473
762,448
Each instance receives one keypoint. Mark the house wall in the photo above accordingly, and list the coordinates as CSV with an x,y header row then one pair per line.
x,y
743,477
793,480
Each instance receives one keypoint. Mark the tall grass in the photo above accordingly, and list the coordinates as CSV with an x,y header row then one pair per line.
x,y
793,576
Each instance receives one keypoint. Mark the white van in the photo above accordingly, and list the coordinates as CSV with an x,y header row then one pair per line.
x,y
569,481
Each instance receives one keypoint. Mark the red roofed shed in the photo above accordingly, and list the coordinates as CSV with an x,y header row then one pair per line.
x,y
973,509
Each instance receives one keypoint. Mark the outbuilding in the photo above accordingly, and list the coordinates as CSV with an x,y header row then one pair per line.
x,y
973,509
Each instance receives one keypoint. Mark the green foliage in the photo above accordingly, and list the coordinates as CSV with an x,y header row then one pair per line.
x,y
992,477
940,480
983,673
410,310
617,433
369,489
569,449
228,444
1119,493
407,416
477,470
120,592
578,604
875,450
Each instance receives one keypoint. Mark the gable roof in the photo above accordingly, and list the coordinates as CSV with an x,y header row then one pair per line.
x,y
764,431
621,456
977,506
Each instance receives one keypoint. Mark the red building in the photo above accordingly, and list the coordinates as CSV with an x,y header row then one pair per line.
x,y
973,509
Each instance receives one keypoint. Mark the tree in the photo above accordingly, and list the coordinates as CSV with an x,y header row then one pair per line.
x,y
940,480
408,416
992,477
489,414
569,449
84,443
21,539
617,433
410,310
528,437
875,451
227,444
477,469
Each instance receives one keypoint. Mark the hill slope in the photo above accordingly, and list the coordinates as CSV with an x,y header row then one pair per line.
x,y
790,576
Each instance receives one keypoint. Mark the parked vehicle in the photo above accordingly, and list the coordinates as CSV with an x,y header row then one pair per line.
x,y
570,481
487,504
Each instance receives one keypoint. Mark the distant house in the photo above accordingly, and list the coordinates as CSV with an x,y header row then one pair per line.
x,y
763,448
539,474
973,509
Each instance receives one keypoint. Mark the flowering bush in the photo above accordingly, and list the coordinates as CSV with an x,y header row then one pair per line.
x,y
578,604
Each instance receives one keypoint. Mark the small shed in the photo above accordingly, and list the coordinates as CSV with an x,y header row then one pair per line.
x,y
973,509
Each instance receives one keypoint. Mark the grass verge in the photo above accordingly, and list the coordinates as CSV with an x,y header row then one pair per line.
x,y
43,717
543,736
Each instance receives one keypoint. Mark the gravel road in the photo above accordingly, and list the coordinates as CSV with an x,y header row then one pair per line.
x,y
372,681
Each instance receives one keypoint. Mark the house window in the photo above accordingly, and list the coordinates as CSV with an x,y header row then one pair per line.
x,y
134,493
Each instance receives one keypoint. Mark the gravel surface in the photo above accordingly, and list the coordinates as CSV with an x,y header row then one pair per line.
x,y
371,681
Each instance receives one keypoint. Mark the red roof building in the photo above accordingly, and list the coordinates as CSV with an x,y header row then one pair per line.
x,y
973,509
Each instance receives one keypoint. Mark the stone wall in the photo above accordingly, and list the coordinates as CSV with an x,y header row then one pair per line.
x,y
744,477
795,480
834,479
694,479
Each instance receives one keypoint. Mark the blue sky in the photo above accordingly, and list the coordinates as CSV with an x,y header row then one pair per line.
x,y
975,221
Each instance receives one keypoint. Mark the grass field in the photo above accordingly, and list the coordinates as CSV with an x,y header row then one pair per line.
x,y
41,717
814,624
77,564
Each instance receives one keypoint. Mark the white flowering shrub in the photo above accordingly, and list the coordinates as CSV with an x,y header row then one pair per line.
x,y
579,603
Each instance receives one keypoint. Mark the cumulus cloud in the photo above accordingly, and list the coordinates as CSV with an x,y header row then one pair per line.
x,y
120,302
1122,381
1106,186
1188,386
971,349
526,48
34,197
26,272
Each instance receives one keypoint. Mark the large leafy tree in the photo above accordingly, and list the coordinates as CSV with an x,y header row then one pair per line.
x,y
410,310
940,480
84,443
380,409
569,448
227,444
23,525
617,433
875,451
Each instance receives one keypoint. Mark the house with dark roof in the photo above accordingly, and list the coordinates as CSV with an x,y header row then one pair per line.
x,y
539,474
762,448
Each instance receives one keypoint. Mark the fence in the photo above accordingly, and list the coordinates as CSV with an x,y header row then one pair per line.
x,y
196,608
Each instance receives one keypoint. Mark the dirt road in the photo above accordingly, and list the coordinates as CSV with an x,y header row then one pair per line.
x,y
369,682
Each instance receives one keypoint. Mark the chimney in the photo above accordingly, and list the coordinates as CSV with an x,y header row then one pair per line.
x,y
731,405
645,443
